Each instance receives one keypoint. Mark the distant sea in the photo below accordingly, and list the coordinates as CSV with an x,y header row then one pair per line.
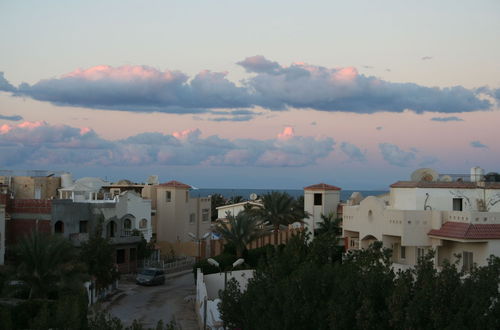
x,y
245,193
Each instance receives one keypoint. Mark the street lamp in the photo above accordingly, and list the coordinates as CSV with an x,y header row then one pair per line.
x,y
213,262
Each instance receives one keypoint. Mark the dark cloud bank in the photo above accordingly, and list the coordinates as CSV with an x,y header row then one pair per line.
x,y
271,86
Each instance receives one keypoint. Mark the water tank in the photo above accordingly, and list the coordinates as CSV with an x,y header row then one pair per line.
x,y
476,174
66,180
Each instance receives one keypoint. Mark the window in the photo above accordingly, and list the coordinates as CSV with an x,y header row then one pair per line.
x,y
457,204
204,215
111,229
59,227
120,256
403,252
468,261
84,226
318,199
127,224
143,223
420,253
192,218
168,196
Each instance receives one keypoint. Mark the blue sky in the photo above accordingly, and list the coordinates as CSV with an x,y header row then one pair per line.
x,y
269,94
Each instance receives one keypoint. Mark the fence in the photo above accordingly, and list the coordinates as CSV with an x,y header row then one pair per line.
x,y
170,266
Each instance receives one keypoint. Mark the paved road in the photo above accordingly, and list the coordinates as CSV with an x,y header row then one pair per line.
x,y
149,304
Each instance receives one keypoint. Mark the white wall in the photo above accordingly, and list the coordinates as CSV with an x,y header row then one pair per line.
x,y
441,198
215,282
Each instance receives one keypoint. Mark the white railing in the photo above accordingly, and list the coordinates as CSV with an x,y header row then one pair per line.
x,y
170,266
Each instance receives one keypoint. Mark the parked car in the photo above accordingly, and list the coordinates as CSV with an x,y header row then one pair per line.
x,y
150,276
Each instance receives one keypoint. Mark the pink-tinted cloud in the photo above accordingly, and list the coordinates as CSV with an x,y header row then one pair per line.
x,y
41,143
271,86
287,133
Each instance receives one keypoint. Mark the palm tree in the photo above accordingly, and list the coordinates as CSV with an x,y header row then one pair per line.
x,y
241,230
46,263
329,224
279,208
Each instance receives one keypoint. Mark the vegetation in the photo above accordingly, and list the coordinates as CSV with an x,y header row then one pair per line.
x,y
46,265
329,224
98,255
309,285
279,208
216,201
241,230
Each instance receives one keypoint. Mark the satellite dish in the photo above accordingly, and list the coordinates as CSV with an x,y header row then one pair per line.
x,y
446,178
424,174
253,196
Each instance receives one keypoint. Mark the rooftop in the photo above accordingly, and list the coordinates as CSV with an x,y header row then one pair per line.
x,y
445,184
175,184
321,186
467,231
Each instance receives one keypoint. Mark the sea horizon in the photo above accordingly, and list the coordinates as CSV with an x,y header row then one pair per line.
x,y
245,192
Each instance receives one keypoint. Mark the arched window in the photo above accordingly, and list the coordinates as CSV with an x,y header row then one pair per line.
x,y
143,223
127,224
111,229
59,227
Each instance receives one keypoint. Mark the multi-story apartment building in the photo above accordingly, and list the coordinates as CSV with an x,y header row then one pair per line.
x,y
450,214
179,221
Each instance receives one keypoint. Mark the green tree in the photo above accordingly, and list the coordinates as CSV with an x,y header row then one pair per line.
x,y
235,199
329,224
279,208
216,201
241,230
47,264
99,256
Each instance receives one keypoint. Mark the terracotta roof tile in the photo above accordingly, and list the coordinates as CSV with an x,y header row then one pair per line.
x,y
462,230
321,186
175,184
444,184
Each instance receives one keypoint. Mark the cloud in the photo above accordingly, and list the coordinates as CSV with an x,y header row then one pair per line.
x,y
13,118
139,89
259,64
287,133
353,152
379,128
39,143
446,119
478,144
271,86
344,89
313,123
426,58
395,155
5,86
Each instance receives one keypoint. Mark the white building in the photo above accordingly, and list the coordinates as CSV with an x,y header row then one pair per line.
x,y
122,213
320,199
235,209
452,216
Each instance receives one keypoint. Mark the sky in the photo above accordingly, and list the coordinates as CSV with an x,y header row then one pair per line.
x,y
250,94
